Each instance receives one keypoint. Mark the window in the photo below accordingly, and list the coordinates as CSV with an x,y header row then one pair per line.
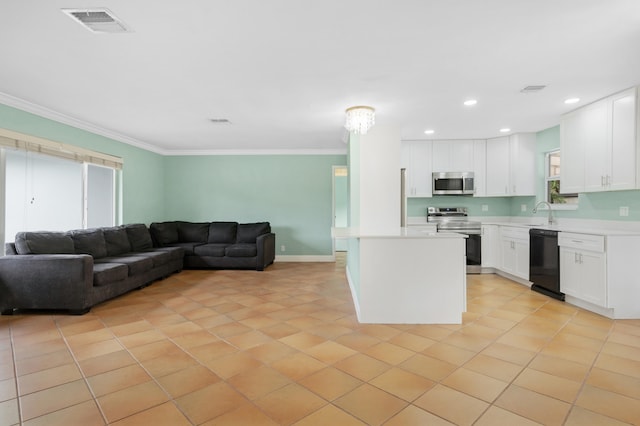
x,y
553,192
51,186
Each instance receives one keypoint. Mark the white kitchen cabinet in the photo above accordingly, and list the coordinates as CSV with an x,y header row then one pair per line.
x,y
522,173
514,251
453,156
583,266
511,164
598,272
480,167
599,145
415,156
491,246
497,177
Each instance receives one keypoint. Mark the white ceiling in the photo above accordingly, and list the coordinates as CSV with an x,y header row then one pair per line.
x,y
283,71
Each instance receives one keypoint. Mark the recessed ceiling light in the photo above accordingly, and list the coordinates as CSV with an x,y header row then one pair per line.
x,y
505,130
429,132
219,121
470,102
572,100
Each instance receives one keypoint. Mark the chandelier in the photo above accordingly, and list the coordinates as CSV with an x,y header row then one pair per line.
x,y
360,119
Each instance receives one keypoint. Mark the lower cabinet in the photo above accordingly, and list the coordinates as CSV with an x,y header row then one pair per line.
x,y
582,274
601,271
490,246
514,250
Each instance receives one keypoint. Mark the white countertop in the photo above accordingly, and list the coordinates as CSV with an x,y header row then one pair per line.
x,y
568,228
398,232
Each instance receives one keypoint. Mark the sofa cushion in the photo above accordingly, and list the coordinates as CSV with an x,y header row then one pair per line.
x,y
89,241
116,240
136,264
139,237
190,232
106,273
159,258
241,250
187,247
175,253
44,243
213,250
248,232
223,232
164,232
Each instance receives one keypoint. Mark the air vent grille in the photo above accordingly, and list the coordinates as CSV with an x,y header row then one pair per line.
x,y
98,20
533,89
219,121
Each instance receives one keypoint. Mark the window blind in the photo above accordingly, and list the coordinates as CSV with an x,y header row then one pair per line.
x,y
14,140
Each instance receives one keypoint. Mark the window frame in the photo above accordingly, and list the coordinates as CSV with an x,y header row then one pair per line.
x,y
549,178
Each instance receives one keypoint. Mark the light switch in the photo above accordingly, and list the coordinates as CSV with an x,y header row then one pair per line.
x,y
485,208
624,211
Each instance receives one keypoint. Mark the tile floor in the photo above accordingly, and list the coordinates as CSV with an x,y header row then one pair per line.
x,y
283,347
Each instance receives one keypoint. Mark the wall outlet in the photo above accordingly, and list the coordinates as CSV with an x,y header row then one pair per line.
x,y
283,248
485,207
523,207
624,211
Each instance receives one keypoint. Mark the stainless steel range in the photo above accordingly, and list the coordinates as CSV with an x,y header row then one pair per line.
x,y
455,219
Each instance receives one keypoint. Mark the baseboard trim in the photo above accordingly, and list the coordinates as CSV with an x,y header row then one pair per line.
x,y
305,258
354,295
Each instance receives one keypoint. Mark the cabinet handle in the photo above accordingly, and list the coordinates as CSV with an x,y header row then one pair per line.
x,y
601,180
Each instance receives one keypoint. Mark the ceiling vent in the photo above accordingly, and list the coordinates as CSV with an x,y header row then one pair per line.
x,y
98,20
532,89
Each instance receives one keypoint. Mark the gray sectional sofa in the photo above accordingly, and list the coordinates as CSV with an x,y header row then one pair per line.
x,y
218,245
78,269
75,270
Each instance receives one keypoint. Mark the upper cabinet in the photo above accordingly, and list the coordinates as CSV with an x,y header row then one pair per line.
x,y
510,165
598,145
415,156
453,156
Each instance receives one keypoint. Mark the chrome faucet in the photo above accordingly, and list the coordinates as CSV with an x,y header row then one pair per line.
x,y
535,210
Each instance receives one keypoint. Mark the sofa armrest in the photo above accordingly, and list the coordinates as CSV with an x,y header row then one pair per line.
x,y
46,281
266,245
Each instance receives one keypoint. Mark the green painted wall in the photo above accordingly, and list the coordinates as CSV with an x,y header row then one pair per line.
x,y
497,206
595,205
292,192
142,175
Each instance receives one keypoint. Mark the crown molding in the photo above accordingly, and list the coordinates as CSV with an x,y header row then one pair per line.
x,y
45,112
50,114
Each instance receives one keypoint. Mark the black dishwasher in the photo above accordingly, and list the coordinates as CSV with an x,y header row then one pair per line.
x,y
544,262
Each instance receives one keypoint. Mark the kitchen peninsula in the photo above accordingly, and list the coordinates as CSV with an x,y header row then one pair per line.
x,y
406,276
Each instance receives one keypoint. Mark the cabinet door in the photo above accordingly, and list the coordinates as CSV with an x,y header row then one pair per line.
x,y
490,246
508,253
497,173
480,167
572,153
522,259
416,158
522,152
594,283
442,157
569,272
462,156
622,171
583,275
594,122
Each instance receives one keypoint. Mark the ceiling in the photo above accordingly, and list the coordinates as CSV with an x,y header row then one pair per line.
x,y
283,71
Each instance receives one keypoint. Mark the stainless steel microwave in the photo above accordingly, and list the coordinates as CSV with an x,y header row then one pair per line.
x,y
453,183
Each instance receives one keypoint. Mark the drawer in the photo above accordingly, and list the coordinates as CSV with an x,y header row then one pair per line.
x,y
515,232
581,241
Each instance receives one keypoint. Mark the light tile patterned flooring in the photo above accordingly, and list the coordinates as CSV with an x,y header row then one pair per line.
x,y
283,347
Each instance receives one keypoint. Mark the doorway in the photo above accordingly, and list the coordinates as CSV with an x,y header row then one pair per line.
x,y
340,204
